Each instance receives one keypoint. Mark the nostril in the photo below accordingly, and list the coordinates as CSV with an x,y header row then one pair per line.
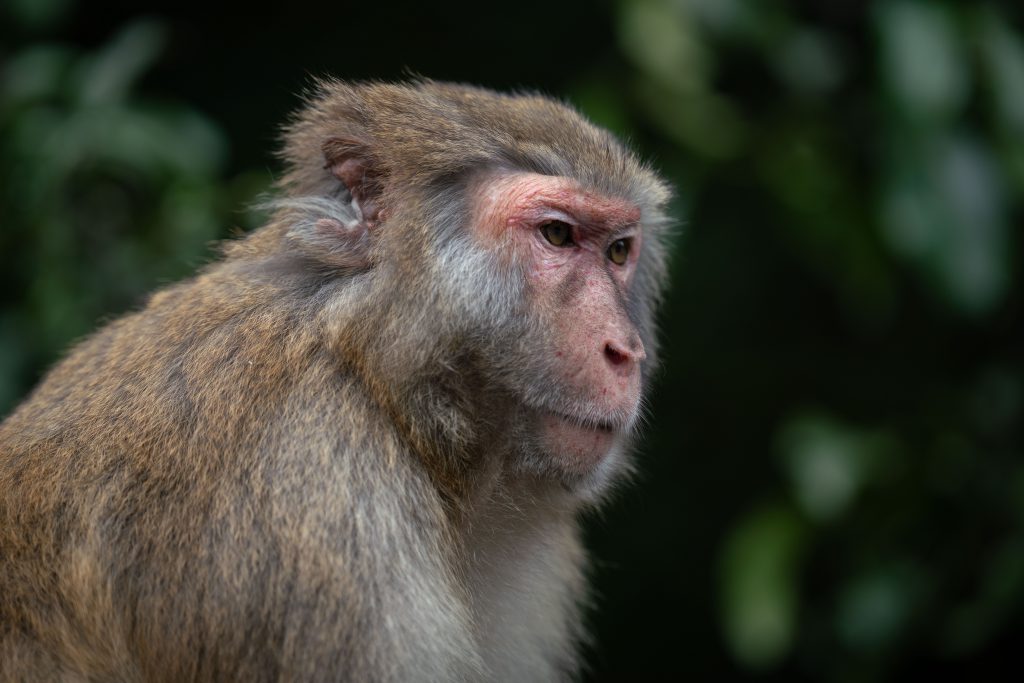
x,y
614,355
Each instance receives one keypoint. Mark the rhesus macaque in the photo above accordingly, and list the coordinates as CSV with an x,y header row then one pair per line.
x,y
355,447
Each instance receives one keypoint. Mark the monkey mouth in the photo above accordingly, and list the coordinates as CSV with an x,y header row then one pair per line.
x,y
587,424
577,444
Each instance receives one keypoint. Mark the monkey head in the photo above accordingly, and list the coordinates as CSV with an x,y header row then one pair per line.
x,y
504,257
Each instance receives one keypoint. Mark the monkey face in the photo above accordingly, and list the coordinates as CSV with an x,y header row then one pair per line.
x,y
577,252
506,259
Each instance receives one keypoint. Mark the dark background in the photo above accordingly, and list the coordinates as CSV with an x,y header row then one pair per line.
x,y
832,483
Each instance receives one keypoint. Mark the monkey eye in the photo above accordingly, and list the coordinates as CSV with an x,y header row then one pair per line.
x,y
618,252
557,233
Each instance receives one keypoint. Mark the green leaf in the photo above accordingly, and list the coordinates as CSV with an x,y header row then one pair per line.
x,y
759,585
922,58
109,75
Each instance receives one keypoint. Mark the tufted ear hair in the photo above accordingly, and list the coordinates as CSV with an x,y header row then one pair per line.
x,y
350,161
337,228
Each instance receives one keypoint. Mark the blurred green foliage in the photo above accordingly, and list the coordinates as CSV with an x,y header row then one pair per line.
x,y
105,195
832,484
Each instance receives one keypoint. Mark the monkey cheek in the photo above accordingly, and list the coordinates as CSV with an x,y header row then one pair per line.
x,y
579,449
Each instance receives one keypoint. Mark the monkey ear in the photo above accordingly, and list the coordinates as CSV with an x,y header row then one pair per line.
x,y
343,237
351,162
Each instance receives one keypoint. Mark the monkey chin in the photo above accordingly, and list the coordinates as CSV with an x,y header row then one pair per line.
x,y
579,448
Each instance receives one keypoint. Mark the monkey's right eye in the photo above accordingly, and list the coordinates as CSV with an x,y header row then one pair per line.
x,y
557,232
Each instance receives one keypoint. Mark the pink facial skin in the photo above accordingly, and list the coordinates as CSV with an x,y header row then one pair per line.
x,y
580,293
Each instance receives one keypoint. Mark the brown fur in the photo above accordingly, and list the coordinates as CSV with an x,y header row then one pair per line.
x,y
300,464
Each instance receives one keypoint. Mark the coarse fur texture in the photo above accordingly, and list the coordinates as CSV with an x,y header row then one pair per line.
x,y
318,459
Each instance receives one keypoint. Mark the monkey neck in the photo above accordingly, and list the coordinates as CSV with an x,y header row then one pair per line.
x,y
442,408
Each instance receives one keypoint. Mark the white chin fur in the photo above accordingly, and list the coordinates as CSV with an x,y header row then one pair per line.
x,y
593,485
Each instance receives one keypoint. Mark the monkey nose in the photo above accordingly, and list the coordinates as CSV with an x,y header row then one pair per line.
x,y
622,355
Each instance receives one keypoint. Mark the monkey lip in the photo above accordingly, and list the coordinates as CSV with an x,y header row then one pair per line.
x,y
606,426
578,444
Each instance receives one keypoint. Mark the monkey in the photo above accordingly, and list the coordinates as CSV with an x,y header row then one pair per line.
x,y
357,445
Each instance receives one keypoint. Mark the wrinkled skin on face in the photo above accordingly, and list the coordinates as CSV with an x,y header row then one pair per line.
x,y
578,251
